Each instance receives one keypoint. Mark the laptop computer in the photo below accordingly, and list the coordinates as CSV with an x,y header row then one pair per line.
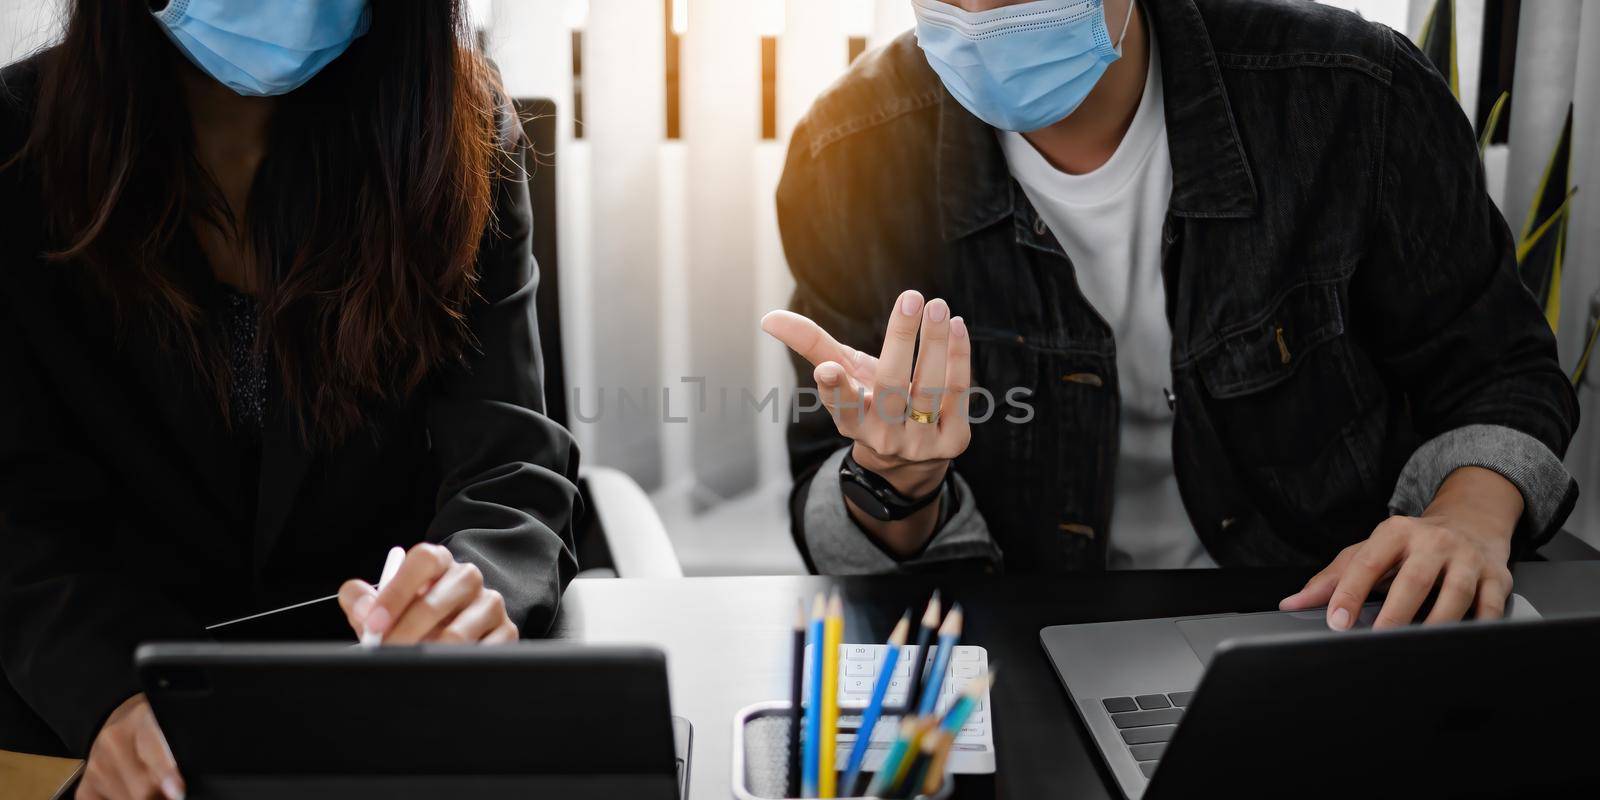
x,y
310,721
1245,705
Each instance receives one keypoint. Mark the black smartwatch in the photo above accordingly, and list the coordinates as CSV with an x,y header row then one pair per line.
x,y
874,494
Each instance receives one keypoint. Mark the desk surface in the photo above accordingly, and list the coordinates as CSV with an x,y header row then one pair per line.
x,y
727,641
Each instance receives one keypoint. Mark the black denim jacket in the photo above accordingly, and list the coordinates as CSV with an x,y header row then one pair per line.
x,y
1339,286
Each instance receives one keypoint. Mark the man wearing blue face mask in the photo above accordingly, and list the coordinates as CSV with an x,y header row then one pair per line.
x,y
1230,284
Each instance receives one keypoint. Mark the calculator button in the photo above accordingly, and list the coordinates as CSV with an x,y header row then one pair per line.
x,y
894,700
858,652
971,731
860,669
902,668
965,671
857,686
967,654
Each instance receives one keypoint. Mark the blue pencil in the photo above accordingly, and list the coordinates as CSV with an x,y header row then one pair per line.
x,y
813,710
949,634
869,718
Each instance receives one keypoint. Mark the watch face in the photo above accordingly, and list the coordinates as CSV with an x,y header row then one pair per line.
x,y
866,500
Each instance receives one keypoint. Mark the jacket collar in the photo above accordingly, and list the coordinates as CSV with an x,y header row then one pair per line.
x,y
1211,177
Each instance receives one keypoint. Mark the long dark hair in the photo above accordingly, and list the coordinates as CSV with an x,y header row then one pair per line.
x,y
365,217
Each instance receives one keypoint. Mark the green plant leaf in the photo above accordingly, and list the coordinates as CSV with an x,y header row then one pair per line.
x,y
1588,351
1492,123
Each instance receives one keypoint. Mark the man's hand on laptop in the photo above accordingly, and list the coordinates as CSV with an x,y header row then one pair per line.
x,y
1460,545
129,759
431,598
908,421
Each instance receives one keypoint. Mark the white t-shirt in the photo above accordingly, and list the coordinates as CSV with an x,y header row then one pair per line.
x,y
1109,223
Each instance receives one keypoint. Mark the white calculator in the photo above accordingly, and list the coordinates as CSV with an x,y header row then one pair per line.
x,y
859,666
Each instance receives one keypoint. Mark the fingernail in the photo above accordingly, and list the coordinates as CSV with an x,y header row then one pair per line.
x,y
1339,620
937,311
827,376
910,304
958,326
170,788
378,621
362,606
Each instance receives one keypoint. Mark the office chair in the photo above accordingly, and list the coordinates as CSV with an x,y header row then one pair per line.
x,y
622,535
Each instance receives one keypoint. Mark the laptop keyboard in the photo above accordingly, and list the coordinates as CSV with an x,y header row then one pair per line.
x,y
1146,723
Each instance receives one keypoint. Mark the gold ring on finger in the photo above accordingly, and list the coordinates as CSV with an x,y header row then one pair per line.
x,y
924,417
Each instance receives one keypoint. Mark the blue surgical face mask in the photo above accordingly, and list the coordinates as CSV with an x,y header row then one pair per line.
x,y
264,47
1021,67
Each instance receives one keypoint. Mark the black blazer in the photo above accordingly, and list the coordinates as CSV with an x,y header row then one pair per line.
x,y
128,514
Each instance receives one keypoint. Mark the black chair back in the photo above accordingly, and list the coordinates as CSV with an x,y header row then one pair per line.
x,y
539,123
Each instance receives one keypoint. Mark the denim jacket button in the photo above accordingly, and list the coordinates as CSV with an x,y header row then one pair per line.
x,y
1039,227
1076,528
1227,523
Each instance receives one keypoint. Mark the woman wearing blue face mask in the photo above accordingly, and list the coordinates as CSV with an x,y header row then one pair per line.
x,y
266,311
1228,276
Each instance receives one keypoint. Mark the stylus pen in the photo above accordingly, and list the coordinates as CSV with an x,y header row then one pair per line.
x,y
919,662
949,634
869,718
391,565
832,638
813,710
797,677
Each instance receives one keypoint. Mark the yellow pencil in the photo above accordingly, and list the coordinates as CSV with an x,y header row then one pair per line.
x,y
832,637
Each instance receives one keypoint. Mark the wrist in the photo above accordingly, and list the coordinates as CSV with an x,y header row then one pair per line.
x,y
910,478
1481,500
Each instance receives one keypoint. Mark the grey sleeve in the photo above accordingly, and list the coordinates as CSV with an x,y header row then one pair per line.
x,y
839,547
1532,467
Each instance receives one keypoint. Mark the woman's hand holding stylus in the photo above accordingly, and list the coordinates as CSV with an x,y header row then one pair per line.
x,y
431,598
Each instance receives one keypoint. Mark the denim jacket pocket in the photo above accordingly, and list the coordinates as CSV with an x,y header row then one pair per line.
x,y
1279,382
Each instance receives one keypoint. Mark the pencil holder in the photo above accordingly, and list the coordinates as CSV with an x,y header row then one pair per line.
x,y
761,755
